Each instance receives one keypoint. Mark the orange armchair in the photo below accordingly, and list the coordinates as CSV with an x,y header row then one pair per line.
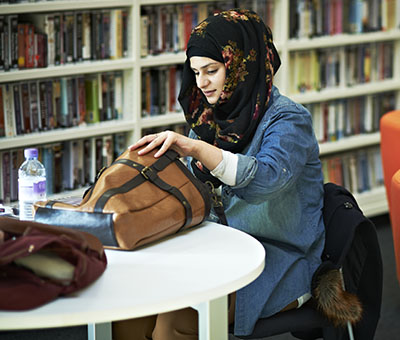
x,y
390,146
395,217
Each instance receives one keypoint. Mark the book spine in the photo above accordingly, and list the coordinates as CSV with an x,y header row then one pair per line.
x,y
17,109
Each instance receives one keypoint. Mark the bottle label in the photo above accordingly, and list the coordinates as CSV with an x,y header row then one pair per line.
x,y
32,191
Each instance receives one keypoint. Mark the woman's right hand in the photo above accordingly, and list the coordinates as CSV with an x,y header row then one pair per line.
x,y
206,153
165,140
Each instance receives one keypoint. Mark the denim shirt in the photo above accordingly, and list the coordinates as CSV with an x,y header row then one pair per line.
x,y
278,197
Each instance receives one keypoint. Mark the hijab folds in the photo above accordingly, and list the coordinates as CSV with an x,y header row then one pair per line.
x,y
240,40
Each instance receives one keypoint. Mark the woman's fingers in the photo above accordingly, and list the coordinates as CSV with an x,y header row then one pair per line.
x,y
163,140
166,144
142,141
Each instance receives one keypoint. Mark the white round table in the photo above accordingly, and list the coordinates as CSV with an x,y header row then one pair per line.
x,y
196,268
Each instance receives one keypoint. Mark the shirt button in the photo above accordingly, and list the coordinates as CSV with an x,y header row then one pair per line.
x,y
348,205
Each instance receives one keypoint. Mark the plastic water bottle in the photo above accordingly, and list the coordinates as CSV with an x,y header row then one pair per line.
x,y
31,184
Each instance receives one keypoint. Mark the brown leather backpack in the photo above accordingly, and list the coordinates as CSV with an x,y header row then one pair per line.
x,y
136,200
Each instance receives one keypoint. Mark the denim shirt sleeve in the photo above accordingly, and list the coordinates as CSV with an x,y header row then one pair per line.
x,y
277,155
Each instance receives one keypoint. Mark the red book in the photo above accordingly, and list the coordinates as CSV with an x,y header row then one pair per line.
x,y
29,46
187,22
21,45
172,89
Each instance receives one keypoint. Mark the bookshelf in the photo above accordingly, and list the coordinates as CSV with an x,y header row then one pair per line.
x,y
372,201
85,131
133,123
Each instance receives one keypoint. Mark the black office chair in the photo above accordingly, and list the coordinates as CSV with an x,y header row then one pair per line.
x,y
352,251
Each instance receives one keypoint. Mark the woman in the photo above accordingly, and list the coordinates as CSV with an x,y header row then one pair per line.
x,y
259,147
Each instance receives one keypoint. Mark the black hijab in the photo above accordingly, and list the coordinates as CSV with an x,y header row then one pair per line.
x,y
240,40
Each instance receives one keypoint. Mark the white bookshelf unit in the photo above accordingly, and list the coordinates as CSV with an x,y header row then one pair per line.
x,y
373,202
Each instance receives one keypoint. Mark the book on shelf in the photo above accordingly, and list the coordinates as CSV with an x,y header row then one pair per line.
x,y
98,154
78,37
64,116
318,69
8,108
119,144
72,102
68,36
57,101
2,118
105,34
331,17
25,107
357,170
18,113
160,88
86,35
59,38
69,164
338,119
3,27
108,150
16,159
33,40
116,30
6,176
43,105
77,163
92,99
118,96
21,46
166,28
48,162
57,149
34,106
88,162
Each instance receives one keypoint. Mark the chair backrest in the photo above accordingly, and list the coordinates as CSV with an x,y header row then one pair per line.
x,y
352,244
390,144
395,218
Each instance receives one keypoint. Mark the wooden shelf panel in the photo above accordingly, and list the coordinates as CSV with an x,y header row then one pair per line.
x,y
341,40
67,70
350,143
57,135
346,92
162,120
50,6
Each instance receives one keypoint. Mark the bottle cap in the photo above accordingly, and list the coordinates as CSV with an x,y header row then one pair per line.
x,y
30,153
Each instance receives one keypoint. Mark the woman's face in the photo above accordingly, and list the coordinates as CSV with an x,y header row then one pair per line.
x,y
210,77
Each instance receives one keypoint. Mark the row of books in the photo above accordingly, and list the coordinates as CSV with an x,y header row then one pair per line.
x,y
160,89
69,165
371,62
167,28
358,171
323,68
41,40
342,118
51,103
310,18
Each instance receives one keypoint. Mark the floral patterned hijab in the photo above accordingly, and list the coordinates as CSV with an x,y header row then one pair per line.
x,y
240,40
